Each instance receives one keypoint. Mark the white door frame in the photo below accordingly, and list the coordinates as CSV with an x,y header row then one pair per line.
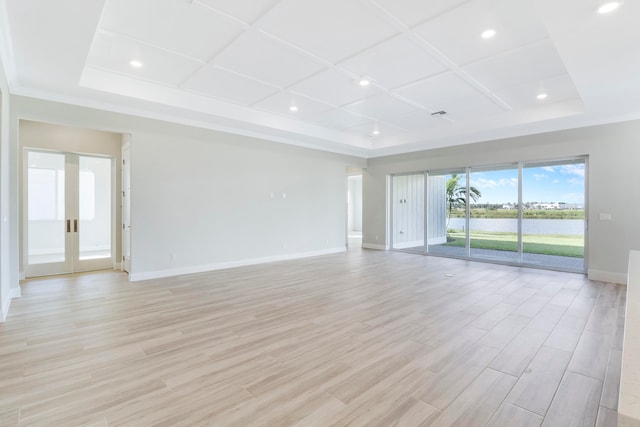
x,y
126,205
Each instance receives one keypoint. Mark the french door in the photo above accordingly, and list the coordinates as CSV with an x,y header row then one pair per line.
x,y
69,213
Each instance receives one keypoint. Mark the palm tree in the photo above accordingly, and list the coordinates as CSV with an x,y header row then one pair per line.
x,y
456,194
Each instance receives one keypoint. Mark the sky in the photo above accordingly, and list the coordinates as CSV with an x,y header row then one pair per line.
x,y
545,184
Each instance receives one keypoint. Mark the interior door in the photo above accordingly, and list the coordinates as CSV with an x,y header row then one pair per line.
x,y
69,213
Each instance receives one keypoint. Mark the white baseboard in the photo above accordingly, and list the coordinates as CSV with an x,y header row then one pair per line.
x,y
117,266
374,247
134,277
607,276
405,245
4,310
16,292
22,276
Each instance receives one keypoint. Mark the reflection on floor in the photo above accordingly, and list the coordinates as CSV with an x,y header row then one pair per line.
x,y
553,261
59,256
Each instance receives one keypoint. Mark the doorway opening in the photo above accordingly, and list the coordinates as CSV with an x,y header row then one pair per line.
x,y
70,183
354,209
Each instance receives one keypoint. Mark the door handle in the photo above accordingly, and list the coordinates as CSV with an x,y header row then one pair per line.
x,y
68,226
75,225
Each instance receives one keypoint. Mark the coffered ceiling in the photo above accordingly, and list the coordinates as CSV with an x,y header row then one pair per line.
x,y
294,70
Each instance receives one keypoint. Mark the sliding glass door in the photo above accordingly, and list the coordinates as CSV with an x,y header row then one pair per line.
x,y
408,212
493,213
553,214
447,224
522,214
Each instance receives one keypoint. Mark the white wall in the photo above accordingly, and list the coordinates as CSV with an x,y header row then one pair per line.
x,y
202,199
7,288
613,152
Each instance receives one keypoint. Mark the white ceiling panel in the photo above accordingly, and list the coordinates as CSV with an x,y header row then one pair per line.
x,y
437,90
258,56
246,11
458,33
114,53
523,96
330,29
535,62
188,28
381,107
417,121
385,130
413,12
217,83
280,103
334,88
394,63
339,119
469,109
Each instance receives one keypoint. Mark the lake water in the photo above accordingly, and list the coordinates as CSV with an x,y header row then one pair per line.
x,y
529,226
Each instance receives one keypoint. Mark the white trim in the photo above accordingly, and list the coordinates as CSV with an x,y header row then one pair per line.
x,y
405,245
374,247
117,266
22,276
5,310
607,276
133,277
259,132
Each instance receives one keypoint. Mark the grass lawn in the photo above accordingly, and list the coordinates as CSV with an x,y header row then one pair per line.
x,y
561,245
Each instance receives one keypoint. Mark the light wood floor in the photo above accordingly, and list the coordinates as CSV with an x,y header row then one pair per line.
x,y
364,338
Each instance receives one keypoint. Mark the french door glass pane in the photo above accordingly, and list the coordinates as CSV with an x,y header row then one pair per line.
x,y
553,214
493,223
446,222
94,199
408,212
46,207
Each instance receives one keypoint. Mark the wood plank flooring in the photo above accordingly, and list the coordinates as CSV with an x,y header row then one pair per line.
x,y
364,338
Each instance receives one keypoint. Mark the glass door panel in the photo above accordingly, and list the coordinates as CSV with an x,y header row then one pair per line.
x,y
446,222
408,212
493,217
46,211
94,203
553,220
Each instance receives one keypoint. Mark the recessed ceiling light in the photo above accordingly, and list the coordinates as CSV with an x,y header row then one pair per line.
x,y
376,132
542,96
293,108
364,82
135,63
488,34
608,7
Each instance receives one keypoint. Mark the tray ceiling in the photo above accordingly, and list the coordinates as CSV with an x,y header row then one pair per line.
x,y
292,70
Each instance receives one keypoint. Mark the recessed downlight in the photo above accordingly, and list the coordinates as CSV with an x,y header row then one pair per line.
x,y
364,82
293,108
609,7
488,33
542,96
376,132
135,63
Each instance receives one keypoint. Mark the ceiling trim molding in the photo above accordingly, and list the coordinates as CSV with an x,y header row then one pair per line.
x,y
321,145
